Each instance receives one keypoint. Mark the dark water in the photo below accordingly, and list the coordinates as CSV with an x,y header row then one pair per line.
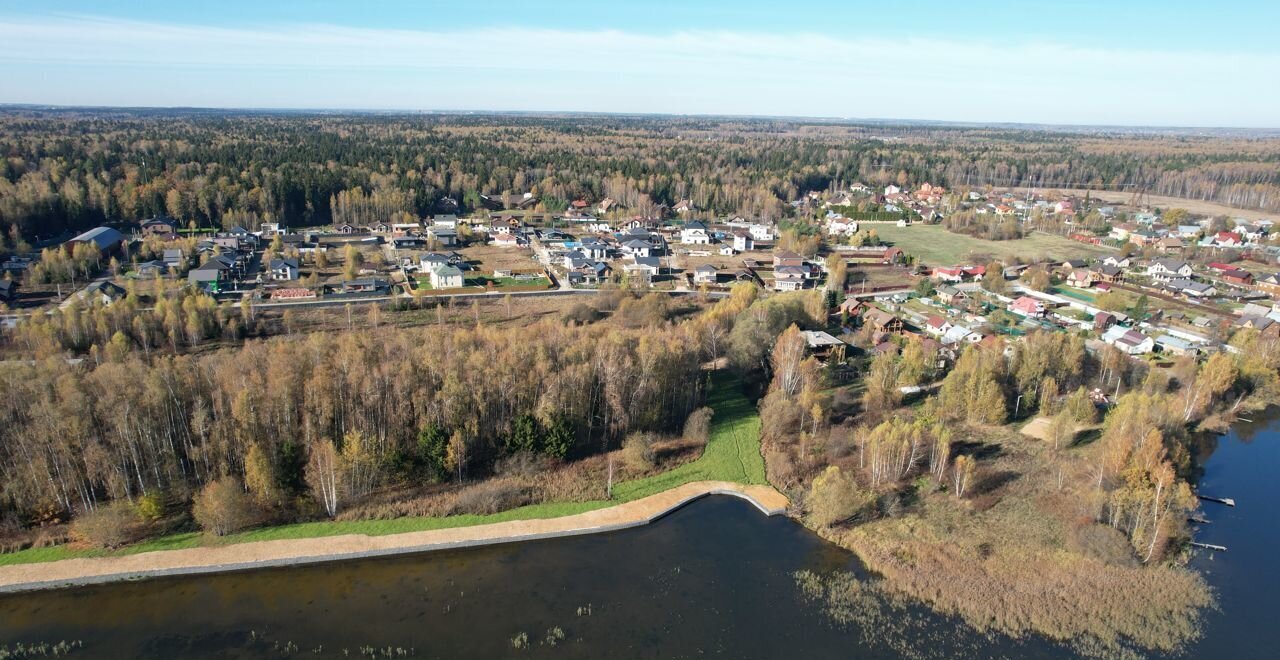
x,y
1243,465
714,579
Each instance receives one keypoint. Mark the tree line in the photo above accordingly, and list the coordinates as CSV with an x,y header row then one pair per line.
x,y
331,417
65,171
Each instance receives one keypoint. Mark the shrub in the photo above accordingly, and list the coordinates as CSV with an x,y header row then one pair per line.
x,y
222,507
697,428
108,526
582,314
151,507
835,497
491,497
637,451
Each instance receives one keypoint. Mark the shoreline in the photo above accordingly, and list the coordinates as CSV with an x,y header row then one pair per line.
x,y
296,552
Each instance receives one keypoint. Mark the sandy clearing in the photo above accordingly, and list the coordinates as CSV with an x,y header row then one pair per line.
x,y
290,552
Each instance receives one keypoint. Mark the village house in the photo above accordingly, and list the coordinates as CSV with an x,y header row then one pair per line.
x,y
893,255
213,272
1270,284
1105,273
364,285
643,270
1028,307
761,232
160,226
959,334
937,325
743,241
1191,288
789,278
1170,245
1238,277
1130,341
445,276
283,270
1080,278
949,295
783,258
882,321
705,274
1227,239
443,237
695,233
1164,270
101,292
173,257
824,346
1118,261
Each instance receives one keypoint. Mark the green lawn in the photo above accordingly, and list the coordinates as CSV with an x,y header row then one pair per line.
x,y
500,282
933,245
732,454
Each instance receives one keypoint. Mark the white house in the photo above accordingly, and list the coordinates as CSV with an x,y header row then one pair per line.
x,y
1118,261
743,241
695,233
761,232
936,325
789,278
444,276
705,274
1128,340
1164,270
841,226
638,248
283,270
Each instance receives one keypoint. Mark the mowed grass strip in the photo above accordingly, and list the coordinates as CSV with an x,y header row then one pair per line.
x,y
732,454
933,245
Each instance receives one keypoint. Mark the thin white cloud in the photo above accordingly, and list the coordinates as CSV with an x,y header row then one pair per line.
x,y
713,71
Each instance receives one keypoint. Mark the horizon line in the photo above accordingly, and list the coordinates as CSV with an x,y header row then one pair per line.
x,y
10,105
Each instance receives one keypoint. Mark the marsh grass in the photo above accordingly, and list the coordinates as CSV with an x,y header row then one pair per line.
x,y
1025,558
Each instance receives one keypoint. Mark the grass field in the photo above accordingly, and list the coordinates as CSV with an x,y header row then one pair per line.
x,y
934,246
732,454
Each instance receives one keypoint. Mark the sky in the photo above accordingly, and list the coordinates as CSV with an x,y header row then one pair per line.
x,y
1123,62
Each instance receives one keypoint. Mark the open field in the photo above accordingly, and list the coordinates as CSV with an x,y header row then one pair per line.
x,y
934,246
493,258
1195,206
732,454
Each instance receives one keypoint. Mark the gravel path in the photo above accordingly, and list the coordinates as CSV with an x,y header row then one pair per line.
x,y
289,552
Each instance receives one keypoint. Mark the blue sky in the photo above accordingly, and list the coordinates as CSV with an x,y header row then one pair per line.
x,y
1141,62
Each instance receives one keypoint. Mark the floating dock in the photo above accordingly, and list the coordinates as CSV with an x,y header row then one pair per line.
x,y
1220,500
1210,546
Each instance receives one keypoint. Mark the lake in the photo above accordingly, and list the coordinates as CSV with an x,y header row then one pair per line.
x,y
714,579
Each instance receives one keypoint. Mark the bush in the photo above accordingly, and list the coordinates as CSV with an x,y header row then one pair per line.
x,y
223,507
637,451
697,428
491,496
582,314
151,507
835,497
108,526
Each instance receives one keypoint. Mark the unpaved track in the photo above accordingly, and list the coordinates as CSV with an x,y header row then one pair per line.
x,y
290,552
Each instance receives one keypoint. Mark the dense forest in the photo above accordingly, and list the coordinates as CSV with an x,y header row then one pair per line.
x,y
68,170
401,404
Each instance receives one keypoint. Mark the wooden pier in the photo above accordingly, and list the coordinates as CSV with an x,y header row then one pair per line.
x,y
1210,546
1220,500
